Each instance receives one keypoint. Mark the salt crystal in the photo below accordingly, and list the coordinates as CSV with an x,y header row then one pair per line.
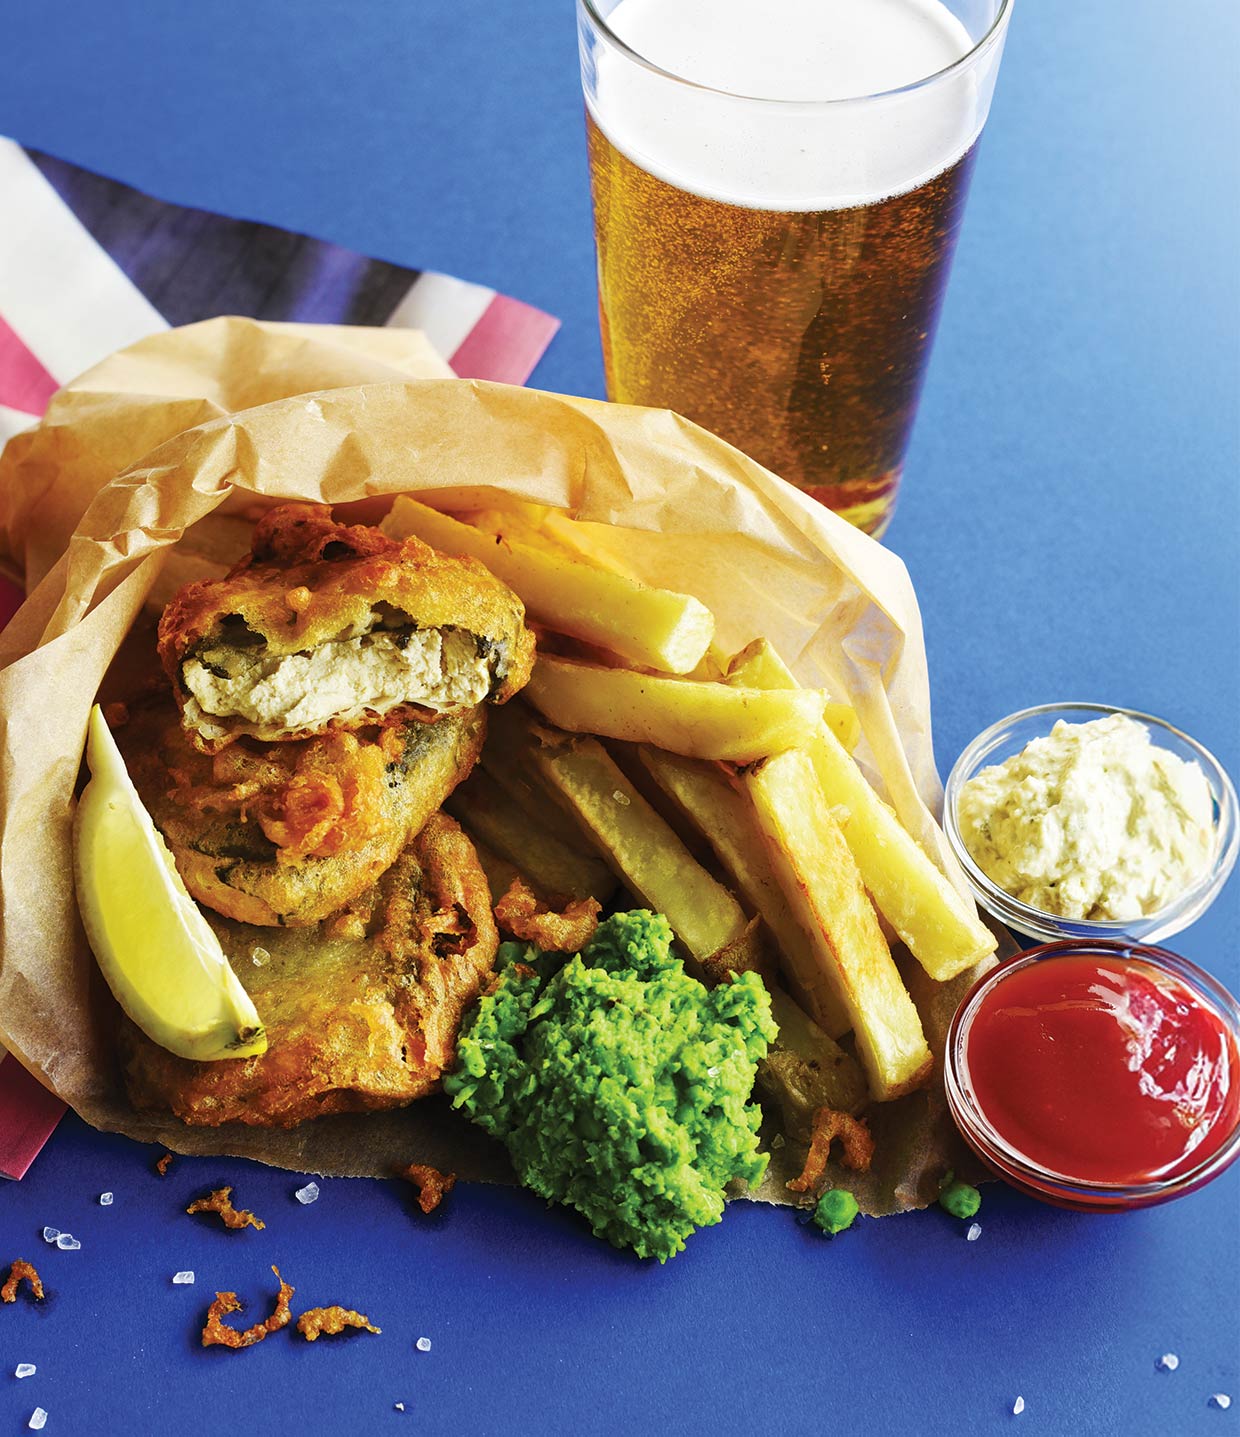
x,y
38,1419
621,798
1168,1362
308,1194
712,1072
1220,1400
400,1406
974,1232
423,1344
259,956
50,1234
66,1242
778,1140
25,1369
1018,1407
183,1278
105,1199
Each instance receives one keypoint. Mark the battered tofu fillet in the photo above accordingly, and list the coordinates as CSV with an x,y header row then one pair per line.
x,y
333,626
362,1012
287,833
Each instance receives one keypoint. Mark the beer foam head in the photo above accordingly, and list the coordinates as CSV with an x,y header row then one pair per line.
x,y
799,153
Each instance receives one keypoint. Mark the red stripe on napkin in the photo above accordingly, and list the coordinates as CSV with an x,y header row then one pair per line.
x,y
28,1114
24,383
506,343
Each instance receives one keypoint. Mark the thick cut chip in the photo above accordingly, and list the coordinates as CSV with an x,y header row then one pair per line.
x,y
287,833
655,628
938,926
701,720
335,625
646,854
822,885
758,666
353,1024
727,820
517,831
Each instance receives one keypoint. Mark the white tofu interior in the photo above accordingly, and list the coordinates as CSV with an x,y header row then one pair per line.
x,y
356,673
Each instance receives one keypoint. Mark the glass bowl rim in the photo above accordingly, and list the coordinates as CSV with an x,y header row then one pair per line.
x,y
993,1148
1051,927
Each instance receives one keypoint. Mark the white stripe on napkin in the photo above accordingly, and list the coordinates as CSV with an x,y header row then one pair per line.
x,y
13,421
67,299
443,308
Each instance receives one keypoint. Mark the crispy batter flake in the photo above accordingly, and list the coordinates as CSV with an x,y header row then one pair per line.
x,y
853,1134
162,1166
19,1272
217,1333
432,1185
331,1320
520,913
220,1202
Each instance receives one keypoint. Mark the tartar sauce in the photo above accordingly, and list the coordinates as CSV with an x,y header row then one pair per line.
x,y
1094,821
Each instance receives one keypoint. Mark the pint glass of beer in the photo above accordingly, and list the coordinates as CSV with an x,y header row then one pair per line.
x,y
778,186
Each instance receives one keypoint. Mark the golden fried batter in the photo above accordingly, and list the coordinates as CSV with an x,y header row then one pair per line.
x,y
432,1185
333,625
287,833
331,1320
854,1135
162,1166
19,1272
353,1025
220,1203
217,1333
520,913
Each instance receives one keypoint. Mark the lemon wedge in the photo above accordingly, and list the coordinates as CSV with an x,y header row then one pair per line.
x,y
158,953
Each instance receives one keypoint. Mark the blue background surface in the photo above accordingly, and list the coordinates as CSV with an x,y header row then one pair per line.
x,y
1071,519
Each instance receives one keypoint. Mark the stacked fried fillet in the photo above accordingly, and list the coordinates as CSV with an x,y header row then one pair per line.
x,y
325,698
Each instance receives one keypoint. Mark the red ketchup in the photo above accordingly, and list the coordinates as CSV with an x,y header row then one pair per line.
x,y
1103,1070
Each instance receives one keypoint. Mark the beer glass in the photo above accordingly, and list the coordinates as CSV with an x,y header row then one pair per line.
x,y
778,187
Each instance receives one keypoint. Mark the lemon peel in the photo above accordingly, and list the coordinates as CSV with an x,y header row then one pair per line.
x,y
159,955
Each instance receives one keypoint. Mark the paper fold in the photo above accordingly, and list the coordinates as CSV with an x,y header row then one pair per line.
x,y
229,415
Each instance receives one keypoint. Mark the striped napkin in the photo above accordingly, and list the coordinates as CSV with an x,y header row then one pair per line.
x,y
89,265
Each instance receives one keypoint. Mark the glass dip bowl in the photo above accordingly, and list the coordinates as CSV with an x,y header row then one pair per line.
x,y
1007,738
967,1091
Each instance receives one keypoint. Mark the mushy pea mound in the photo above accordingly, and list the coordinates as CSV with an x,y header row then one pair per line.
x,y
619,1084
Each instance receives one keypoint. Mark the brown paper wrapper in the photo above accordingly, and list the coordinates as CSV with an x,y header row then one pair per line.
x,y
175,441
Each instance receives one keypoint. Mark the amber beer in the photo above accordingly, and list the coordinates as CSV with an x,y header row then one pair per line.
x,y
797,331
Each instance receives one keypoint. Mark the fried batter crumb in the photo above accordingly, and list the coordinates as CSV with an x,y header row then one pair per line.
x,y
20,1272
432,1185
520,914
116,715
162,1166
217,1333
854,1136
220,1201
331,1320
